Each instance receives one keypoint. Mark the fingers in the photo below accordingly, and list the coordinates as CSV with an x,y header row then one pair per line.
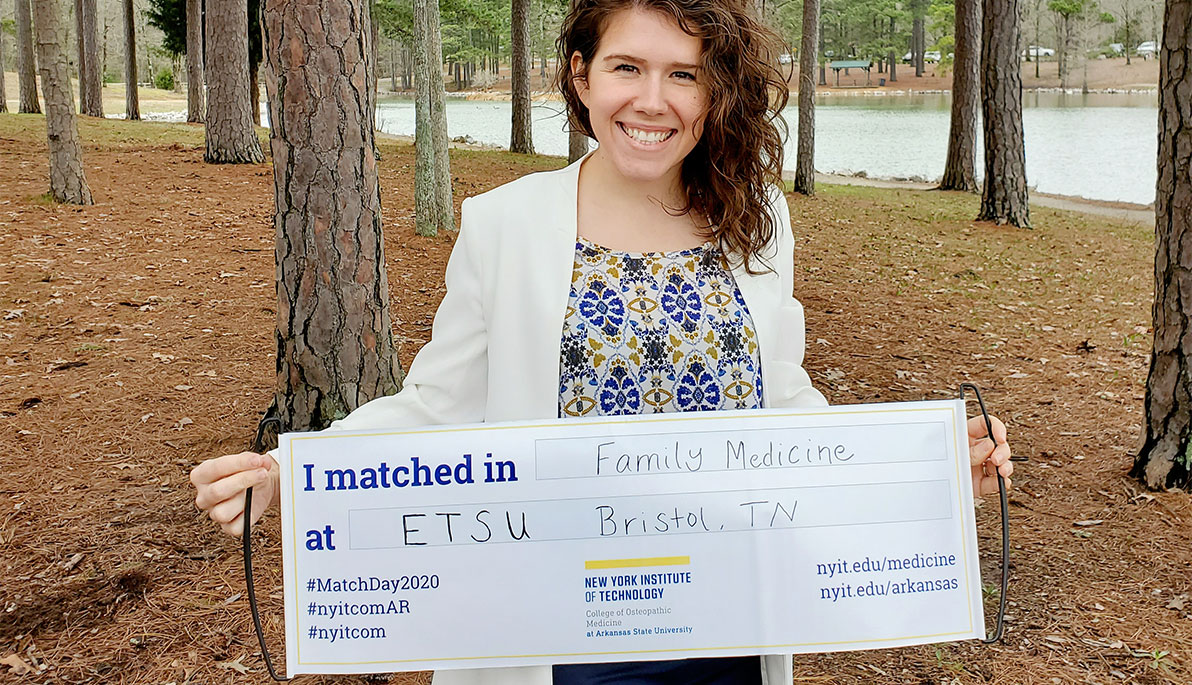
x,y
988,486
233,486
235,527
983,450
976,428
220,484
222,467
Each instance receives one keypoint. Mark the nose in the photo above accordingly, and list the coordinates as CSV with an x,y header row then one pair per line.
x,y
651,96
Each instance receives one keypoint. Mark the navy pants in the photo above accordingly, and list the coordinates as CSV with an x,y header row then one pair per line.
x,y
739,670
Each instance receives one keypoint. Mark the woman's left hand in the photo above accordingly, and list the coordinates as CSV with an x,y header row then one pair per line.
x,y
988,457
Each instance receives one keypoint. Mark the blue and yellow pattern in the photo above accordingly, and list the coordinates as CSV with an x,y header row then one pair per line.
x,y
656,332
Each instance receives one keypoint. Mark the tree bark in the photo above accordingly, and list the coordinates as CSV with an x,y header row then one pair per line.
x,y
577,146
808,52
425,198
960,166
446,209
26,63
521,140
375,29
1166,455
229,131
432,180
3,89
255,57
67,180
132,103
893,57
254,92
195,96
917,41
393,65
90,81
407,69
1005,195
335,348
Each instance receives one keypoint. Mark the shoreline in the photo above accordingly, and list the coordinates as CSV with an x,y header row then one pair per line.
x,y
1126,211
875,91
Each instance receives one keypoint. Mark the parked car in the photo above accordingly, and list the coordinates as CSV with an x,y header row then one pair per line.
x,y
930,56
1117,48
1146,49
1037,51
785,58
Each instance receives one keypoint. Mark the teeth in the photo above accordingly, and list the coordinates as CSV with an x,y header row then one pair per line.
x,y
646,136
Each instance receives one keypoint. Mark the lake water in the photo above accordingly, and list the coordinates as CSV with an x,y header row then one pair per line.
x,y
1100,146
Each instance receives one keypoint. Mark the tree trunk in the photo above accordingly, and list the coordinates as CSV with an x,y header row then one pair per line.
x,y
132,103
1005,196
430,148
90,83
231,138
3,90
893,57
1065,29
917,41
808,49
254,92
67,181
195,99
393,65
521,140
103,61
407,69
577,146
374,43
960,167
1126,47
26,63
335,348
446,209
1038,19
1166,455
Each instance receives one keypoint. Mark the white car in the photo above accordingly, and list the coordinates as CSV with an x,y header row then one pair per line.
x,y
1037,51
1146,49
930,56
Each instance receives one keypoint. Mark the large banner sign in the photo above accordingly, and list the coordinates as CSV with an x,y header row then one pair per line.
x,y
629,538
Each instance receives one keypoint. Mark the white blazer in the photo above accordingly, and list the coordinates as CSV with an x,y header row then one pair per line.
x,y
494,348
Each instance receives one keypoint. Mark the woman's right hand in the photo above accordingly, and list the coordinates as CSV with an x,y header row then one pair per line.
x,y
221,483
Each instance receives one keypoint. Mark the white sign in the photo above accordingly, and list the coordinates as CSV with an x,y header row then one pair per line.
x,y
629,538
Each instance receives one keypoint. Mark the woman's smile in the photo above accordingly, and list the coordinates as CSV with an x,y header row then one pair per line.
x,y
646,136
645,101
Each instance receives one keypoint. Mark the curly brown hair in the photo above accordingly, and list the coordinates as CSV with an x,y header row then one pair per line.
x,y
727,176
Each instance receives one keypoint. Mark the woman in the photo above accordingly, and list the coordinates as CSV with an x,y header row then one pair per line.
x,y
653,275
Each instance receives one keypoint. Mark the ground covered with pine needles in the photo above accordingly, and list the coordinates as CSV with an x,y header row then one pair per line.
x,y
136,339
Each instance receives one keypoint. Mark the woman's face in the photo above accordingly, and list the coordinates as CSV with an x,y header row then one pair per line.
x,y
645,94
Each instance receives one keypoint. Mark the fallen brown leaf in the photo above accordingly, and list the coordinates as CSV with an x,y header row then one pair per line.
x,y
17,664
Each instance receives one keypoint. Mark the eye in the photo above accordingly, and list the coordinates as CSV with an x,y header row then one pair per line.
x,y
684,75
628,68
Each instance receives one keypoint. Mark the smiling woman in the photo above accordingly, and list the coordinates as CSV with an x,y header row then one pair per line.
x,y
653,275
683,98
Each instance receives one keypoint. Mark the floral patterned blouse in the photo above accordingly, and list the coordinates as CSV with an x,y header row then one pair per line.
x,y
656,332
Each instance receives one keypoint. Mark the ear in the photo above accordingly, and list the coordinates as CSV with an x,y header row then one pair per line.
x,y
579,76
